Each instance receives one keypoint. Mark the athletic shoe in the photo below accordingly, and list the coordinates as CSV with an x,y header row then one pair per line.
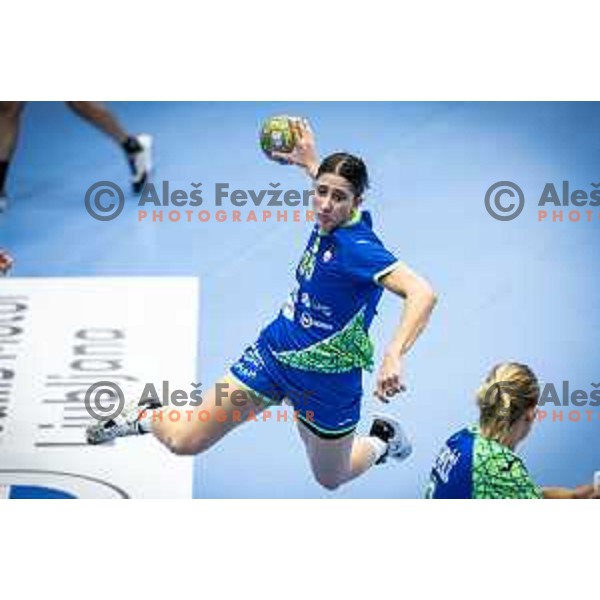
x,y
127,423
390,431
141,163
107,431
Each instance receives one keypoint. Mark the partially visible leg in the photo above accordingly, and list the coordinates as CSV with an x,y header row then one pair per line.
x,y
186,429
138,148
226,406
99,116
10,119
337,461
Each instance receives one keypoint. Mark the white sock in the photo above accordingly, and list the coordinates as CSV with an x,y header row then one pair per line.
x,y
379,446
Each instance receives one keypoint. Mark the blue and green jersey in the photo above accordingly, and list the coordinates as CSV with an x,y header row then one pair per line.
x,y
473,466
323,325
314,352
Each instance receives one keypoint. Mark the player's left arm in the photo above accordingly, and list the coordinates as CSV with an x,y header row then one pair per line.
x,y
420,299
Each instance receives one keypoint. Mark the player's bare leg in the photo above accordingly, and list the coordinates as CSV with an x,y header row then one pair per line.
x,y
138,148
337,461
187,429
10,119
226,406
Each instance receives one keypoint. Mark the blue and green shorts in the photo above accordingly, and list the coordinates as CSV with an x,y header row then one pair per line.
x,y
328,404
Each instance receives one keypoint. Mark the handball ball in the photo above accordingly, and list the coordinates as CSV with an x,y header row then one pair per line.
x,y
278,134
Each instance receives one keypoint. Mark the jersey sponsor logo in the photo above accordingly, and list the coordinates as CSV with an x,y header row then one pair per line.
x,y
313,304
322,308
308,321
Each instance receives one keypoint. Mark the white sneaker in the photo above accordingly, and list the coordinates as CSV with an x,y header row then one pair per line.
x,y
141,163
129,422
389,430
102,432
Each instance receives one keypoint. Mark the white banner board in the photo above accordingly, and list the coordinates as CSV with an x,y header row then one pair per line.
x,y
58,336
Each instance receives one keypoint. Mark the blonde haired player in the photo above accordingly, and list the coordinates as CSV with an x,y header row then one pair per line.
x,y
480,461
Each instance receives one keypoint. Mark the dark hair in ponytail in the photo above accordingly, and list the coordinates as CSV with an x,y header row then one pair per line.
x,y
348,166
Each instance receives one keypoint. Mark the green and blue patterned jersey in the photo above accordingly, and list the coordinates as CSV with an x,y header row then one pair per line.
x,y
473,466
323,326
